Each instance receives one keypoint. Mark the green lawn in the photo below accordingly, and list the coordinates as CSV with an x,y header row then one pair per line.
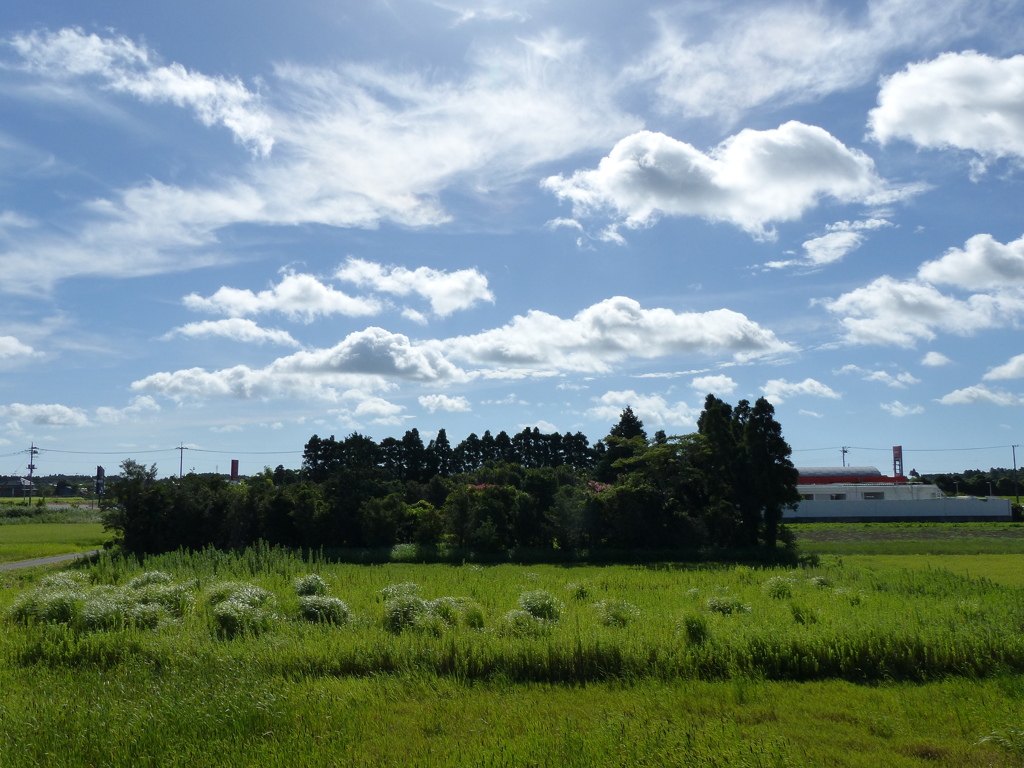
x,y
1002,569
25,542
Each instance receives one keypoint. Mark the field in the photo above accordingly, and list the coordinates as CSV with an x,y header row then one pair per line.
x,y
216,658
27,541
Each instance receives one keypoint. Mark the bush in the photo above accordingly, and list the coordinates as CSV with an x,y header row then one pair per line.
x,y
405,589
176,599
616,613
323,610
311,584
520,623
235,616
150,577
402,612
541,605
726,605
779,587
578,591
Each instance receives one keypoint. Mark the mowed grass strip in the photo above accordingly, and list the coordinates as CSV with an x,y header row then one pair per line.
x,y
27,542
1002,569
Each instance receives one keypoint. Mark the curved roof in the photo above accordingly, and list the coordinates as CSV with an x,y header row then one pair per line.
x,y
839,471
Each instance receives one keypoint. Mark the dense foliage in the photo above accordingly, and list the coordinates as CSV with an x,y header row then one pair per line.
x,y
723,486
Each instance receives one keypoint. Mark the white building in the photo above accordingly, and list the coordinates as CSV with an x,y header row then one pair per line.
x,y
863,494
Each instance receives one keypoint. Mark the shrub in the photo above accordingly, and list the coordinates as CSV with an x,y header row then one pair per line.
x,y
779,587
402,612
405,589
541,605
616,613
726,605
235,616
310,584
820,582
802,614
520,623
241,592
176,599
323,610
150,577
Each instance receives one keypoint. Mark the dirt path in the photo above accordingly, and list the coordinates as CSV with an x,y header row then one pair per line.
x,y
46,560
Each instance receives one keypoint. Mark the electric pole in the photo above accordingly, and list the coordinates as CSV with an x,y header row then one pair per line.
x,y
844,450
1016,483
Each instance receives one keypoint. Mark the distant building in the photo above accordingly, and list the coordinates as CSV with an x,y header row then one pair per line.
x,y
16,487
863,494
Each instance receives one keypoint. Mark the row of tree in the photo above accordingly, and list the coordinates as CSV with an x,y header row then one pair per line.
x,y
724,486
997,481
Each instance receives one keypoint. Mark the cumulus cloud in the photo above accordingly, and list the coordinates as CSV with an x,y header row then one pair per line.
x,y
124,66
609,332
982,264
979,393
486,10
718,385
447,292
900,380
297,296
11,348
367,360
902,312
236,329
935,359
779,390
1011,369
368,408
750,180
137,406
723,59
44,415
653,410
899,410
434,403
966,101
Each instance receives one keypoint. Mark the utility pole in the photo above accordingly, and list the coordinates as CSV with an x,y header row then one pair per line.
x,y
844,450
181,458
31,467
1016,483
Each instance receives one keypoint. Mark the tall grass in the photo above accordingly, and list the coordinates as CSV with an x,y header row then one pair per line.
x,y
505,622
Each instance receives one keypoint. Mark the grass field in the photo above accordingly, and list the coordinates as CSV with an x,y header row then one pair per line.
x,y
28,541
885,660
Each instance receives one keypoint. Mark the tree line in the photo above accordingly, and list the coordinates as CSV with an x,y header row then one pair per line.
x,y
724,486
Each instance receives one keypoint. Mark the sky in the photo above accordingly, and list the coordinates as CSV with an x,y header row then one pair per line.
x,y
226,227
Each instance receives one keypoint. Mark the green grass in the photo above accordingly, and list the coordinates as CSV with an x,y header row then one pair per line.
x,y
860,662
1002,569
26,542
910,538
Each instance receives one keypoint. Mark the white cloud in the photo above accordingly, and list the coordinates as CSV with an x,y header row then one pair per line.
x,y
611,331
653,410
888,311
486,10
545,427
983,264
719,385
966,101
370,408
371,359
298,296
750,180
1011,369
722,59
236,329
434,403
44,415
126,67
137,406
10,347
778,390
840,238
354,146
812,414
935,359
447,292
899,410
900,380
979,393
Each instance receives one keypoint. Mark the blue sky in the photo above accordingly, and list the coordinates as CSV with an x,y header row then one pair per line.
x,y
231,226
